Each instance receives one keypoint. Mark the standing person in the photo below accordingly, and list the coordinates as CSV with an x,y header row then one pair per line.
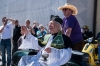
x,y
29,27
6,40
71,27
35,28
16,35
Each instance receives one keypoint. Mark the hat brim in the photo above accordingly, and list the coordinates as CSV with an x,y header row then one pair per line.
x,y
73,8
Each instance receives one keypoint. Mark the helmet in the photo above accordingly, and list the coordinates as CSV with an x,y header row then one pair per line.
x,y
85,27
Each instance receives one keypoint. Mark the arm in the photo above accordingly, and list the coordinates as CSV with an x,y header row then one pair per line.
x,y
66,56
12,20
2,29
71,23
28,36
19,41
33,41
68,32
32,31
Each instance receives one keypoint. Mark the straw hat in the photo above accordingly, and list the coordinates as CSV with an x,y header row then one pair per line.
x,y
69,6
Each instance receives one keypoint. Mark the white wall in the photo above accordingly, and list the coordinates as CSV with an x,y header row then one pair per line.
x,y
40,10
34,10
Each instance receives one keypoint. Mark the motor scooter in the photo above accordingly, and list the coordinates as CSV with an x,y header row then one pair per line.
x,y
88,56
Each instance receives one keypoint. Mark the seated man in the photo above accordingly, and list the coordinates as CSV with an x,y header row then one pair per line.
x,y
28,41
57,51
28,46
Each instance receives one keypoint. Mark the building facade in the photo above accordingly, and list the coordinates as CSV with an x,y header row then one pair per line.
x,y
40,11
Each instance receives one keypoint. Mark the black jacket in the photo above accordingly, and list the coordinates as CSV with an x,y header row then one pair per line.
x,y
16,33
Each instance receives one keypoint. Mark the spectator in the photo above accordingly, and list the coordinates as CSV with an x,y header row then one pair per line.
x,y
86,33
28,41
41,32
6,40
29,27
20,39
35,28
28,45
16,35
71,27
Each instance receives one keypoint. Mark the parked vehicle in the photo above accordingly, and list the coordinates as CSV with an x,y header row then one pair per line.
x,y
88,56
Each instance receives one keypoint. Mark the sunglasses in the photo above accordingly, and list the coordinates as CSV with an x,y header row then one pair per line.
x,y
65,9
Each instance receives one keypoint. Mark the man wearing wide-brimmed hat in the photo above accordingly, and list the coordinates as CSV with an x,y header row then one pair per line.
x,y
71,26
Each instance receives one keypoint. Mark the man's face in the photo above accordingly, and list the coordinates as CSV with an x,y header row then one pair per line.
x,y
66,11
27,23
85,29
53,27
16,23
4,19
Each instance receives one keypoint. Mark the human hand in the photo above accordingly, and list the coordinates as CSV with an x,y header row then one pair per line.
x,y
34,25
41,30
48,50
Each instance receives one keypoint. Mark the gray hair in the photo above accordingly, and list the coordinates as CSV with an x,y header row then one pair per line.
x,y
59,24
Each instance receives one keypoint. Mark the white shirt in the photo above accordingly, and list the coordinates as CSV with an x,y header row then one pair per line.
x,y
57,57
30,42
7,31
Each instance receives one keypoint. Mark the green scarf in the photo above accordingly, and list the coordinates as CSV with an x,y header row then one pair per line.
x,y
57,41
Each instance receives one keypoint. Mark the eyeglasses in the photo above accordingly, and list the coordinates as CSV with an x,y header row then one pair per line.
x,y
65,9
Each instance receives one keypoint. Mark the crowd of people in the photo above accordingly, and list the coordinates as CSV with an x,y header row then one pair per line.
x,y
62,36
5,30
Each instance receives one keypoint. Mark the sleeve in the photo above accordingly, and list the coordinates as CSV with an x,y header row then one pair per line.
x,y
35,44
65,55
28,36
1,27
38,32
67,42
33,41
21,62
71,22
10,24
44,32
63,23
